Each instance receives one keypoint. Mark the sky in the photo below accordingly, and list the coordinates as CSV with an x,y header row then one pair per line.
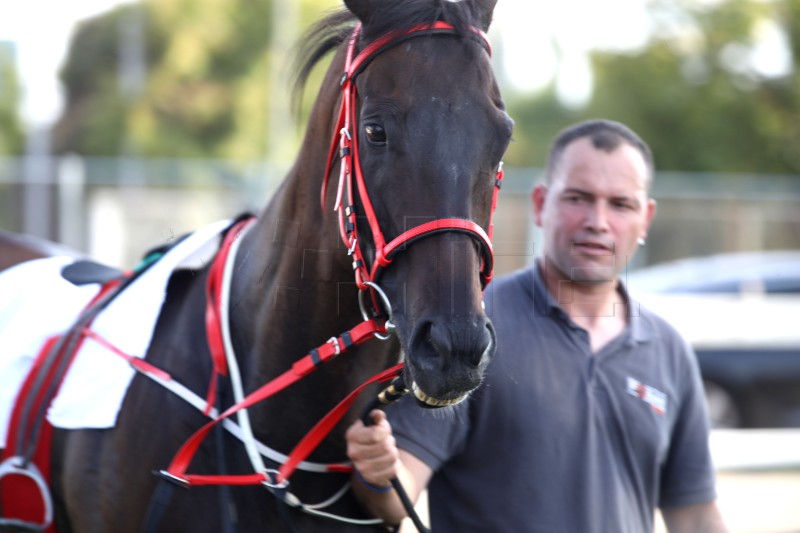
x,y
40,31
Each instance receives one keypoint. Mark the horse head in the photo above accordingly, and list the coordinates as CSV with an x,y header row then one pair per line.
x,y
428,128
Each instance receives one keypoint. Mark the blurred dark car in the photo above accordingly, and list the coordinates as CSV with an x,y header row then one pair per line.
x,y
741,313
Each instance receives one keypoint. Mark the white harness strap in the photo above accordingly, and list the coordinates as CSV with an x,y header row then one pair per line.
x,y
243,430
248,439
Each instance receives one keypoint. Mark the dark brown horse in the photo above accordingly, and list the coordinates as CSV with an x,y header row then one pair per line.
x,y
426,129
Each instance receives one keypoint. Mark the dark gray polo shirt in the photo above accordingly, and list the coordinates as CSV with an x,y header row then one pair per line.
x,y
558,440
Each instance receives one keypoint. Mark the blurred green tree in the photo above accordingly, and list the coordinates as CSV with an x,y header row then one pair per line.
x,y
12,139
177,78
699,92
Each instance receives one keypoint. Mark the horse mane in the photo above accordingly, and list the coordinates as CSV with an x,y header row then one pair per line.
x,y
334,29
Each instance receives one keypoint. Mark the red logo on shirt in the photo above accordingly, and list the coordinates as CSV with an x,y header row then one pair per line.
x,y
655,398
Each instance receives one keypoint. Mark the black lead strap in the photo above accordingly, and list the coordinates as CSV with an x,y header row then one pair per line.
x,y
159,502
396,390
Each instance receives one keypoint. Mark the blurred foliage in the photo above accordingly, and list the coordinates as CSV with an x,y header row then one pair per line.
x,y
692,92
11,131
211,80
176,78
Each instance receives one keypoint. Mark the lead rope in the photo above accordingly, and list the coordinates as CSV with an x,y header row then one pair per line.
x,y
396,390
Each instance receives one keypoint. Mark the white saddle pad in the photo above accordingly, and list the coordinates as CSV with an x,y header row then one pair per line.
x,y
37,303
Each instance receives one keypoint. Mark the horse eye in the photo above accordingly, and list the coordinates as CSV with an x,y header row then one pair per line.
x,y
375,133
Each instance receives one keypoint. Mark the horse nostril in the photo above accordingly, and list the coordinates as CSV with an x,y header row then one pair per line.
x,y
439,338
459,341
484,344
446,357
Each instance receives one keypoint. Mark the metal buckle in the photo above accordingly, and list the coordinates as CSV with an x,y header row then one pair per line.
x,y
273,474
337,349
389,324
172,478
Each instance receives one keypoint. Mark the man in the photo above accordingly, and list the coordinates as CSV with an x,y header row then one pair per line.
x,y
592,413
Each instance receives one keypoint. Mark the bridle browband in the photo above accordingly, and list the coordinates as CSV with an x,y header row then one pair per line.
x,y
345,141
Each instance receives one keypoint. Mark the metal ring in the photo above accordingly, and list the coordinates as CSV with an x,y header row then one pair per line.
x,y
389,327
389,324
274,474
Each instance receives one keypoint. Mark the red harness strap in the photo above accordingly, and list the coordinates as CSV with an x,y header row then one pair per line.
x,y
213,321
23,499
312,439
301,368
183,458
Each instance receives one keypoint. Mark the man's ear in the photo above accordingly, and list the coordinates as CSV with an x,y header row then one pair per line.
x,y
538,197
649,216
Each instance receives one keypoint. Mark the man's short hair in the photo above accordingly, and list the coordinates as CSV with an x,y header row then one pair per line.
x,y
606,135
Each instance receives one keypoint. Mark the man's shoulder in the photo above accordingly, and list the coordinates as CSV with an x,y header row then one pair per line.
x,y
668,340
652,319
515,285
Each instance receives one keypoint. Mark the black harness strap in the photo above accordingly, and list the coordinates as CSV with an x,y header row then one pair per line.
x,y
159,502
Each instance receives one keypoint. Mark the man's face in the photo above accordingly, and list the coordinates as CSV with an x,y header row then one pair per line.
x,y
594,210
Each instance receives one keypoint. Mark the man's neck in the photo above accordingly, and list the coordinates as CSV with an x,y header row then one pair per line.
x,y
598,307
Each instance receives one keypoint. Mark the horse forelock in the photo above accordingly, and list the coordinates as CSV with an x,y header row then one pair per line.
x,y
334,29
324,36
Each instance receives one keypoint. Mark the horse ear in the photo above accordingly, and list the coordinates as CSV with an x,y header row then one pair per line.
x,y
361,9
486,10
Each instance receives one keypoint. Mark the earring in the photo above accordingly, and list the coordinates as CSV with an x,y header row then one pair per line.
x,y
641,241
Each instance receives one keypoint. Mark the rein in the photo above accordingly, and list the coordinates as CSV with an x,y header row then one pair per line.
x,y
277,481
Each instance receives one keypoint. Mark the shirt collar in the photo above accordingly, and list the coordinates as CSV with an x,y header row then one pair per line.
x,y
545,304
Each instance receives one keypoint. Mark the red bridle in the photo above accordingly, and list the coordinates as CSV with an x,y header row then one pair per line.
x,y
346,141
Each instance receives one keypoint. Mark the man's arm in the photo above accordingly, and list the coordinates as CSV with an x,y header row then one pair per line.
x,y
702,518
377,460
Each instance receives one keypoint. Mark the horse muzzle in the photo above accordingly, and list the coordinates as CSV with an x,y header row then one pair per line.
x,y
446,359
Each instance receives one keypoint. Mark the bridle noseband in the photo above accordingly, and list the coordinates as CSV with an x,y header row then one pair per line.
x,y
346,141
